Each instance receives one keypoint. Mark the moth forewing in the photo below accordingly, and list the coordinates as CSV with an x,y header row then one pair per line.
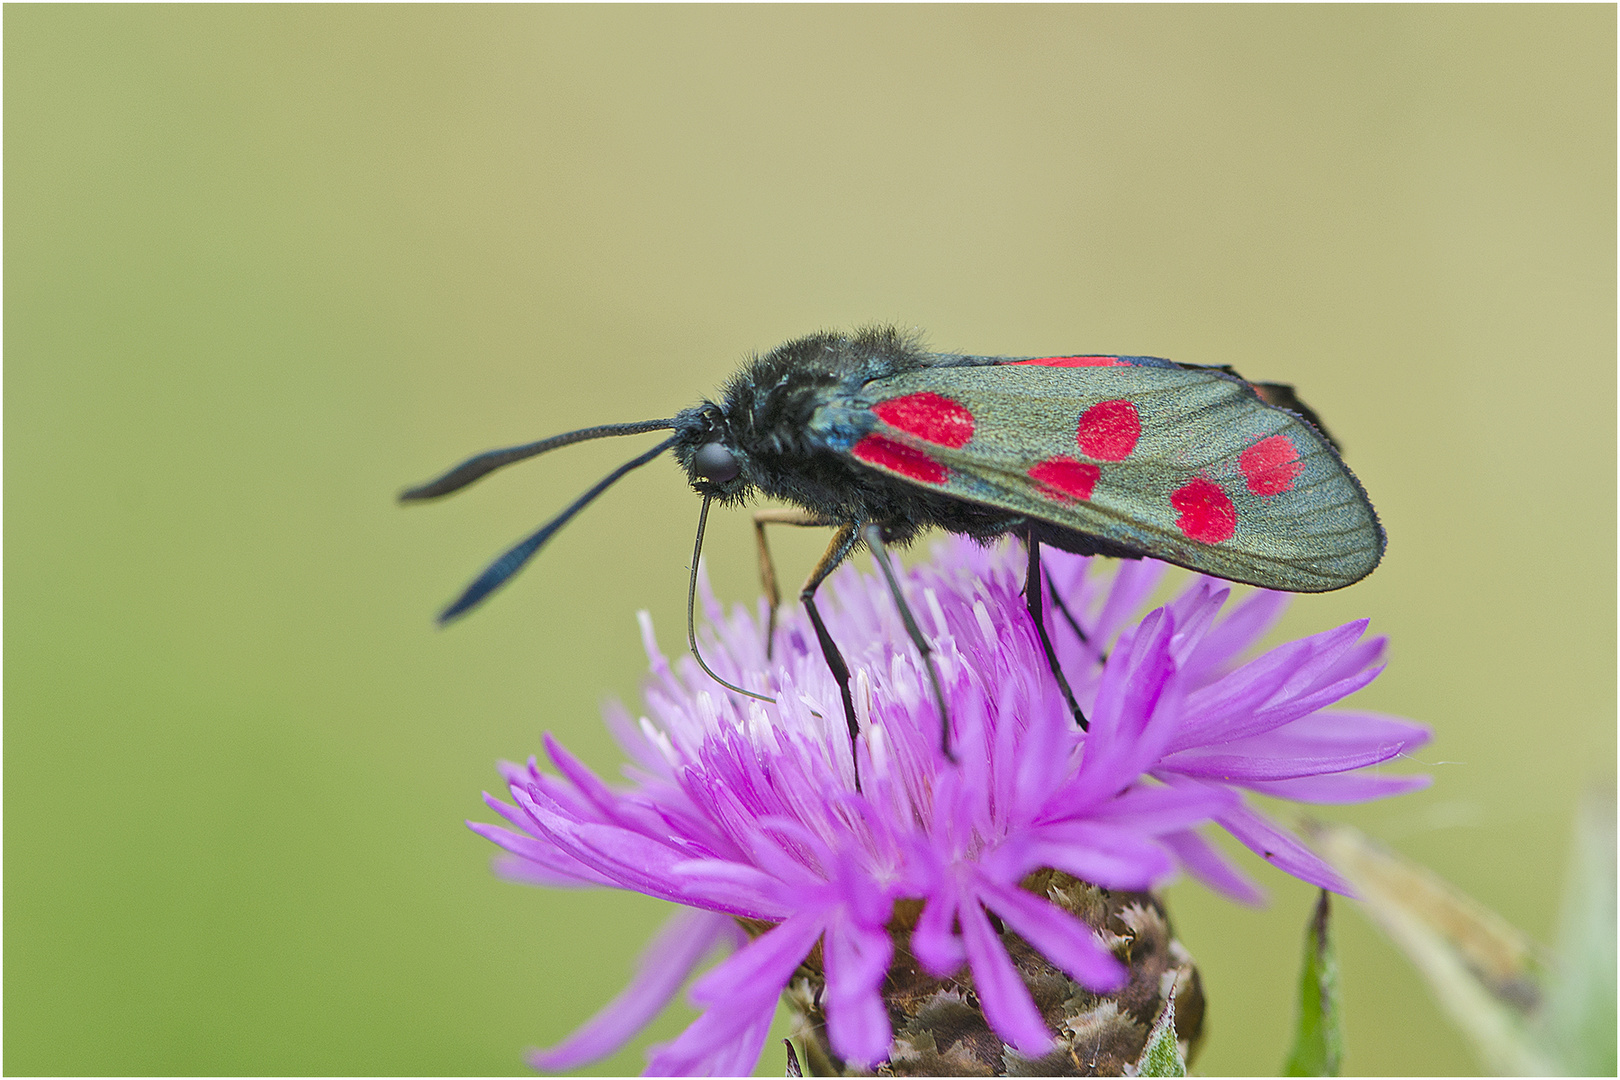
x,y
1184,465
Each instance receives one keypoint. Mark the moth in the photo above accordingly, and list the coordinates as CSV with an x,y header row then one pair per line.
x,y
875,437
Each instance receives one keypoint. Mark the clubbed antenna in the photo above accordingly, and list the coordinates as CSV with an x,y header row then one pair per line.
x,y
476,468
502,569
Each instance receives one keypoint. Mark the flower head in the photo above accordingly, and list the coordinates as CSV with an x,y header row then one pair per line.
x,y
749,816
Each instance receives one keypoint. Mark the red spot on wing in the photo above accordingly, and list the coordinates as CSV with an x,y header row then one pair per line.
x,y
1109,430
928,416
1207,514
1063,479
1271,465
905,460
1073,361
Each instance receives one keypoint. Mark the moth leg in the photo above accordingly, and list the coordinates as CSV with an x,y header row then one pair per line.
x,y
843,542
1033,596
873,534
1074,624
767,567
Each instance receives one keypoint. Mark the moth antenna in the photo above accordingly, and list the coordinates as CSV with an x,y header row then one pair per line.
x,y
510,563
481,465
691,603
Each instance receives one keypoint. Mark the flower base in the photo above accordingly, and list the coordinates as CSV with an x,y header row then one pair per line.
x,y
941,1031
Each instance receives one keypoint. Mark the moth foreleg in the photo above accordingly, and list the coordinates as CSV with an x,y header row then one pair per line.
x,y
873,534
767,566
1034,594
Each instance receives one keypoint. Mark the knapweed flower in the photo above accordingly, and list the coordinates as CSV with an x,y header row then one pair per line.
x,y
749,815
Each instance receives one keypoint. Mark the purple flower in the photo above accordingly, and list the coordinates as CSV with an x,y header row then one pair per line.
x,y
748,816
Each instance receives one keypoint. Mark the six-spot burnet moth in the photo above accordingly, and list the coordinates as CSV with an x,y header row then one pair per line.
x,y
1124,456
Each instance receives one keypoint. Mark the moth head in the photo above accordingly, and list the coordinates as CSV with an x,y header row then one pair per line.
x,y
706,450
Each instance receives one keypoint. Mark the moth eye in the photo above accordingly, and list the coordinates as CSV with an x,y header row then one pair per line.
x,y
716,463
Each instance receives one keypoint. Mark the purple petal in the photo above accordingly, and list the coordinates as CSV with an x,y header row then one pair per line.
x,y
1119,679
1206,864
1060,937
741,997
765,962
1104,855
721,1042
1282,850
1170,808
1133,581
1275,715
1212,708
1326,742
1328,649
742,1055
1368,653
1194,611
1348,728
513,814
631,860
513,773
551,789
611,807
602,797
1040,762
546,859
1124,737
669,958
1239,631
760,847
1281,709
1002,994
521,871
712,882
1361,787
1226,709
1239,768
857,1020
628,734
933,942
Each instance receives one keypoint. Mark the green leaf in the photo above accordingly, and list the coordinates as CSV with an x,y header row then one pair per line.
x,y
1577,1029
1161,1056
1485,974
1319,1037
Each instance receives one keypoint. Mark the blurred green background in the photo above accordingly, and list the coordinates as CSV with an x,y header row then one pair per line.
x,y
266,265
